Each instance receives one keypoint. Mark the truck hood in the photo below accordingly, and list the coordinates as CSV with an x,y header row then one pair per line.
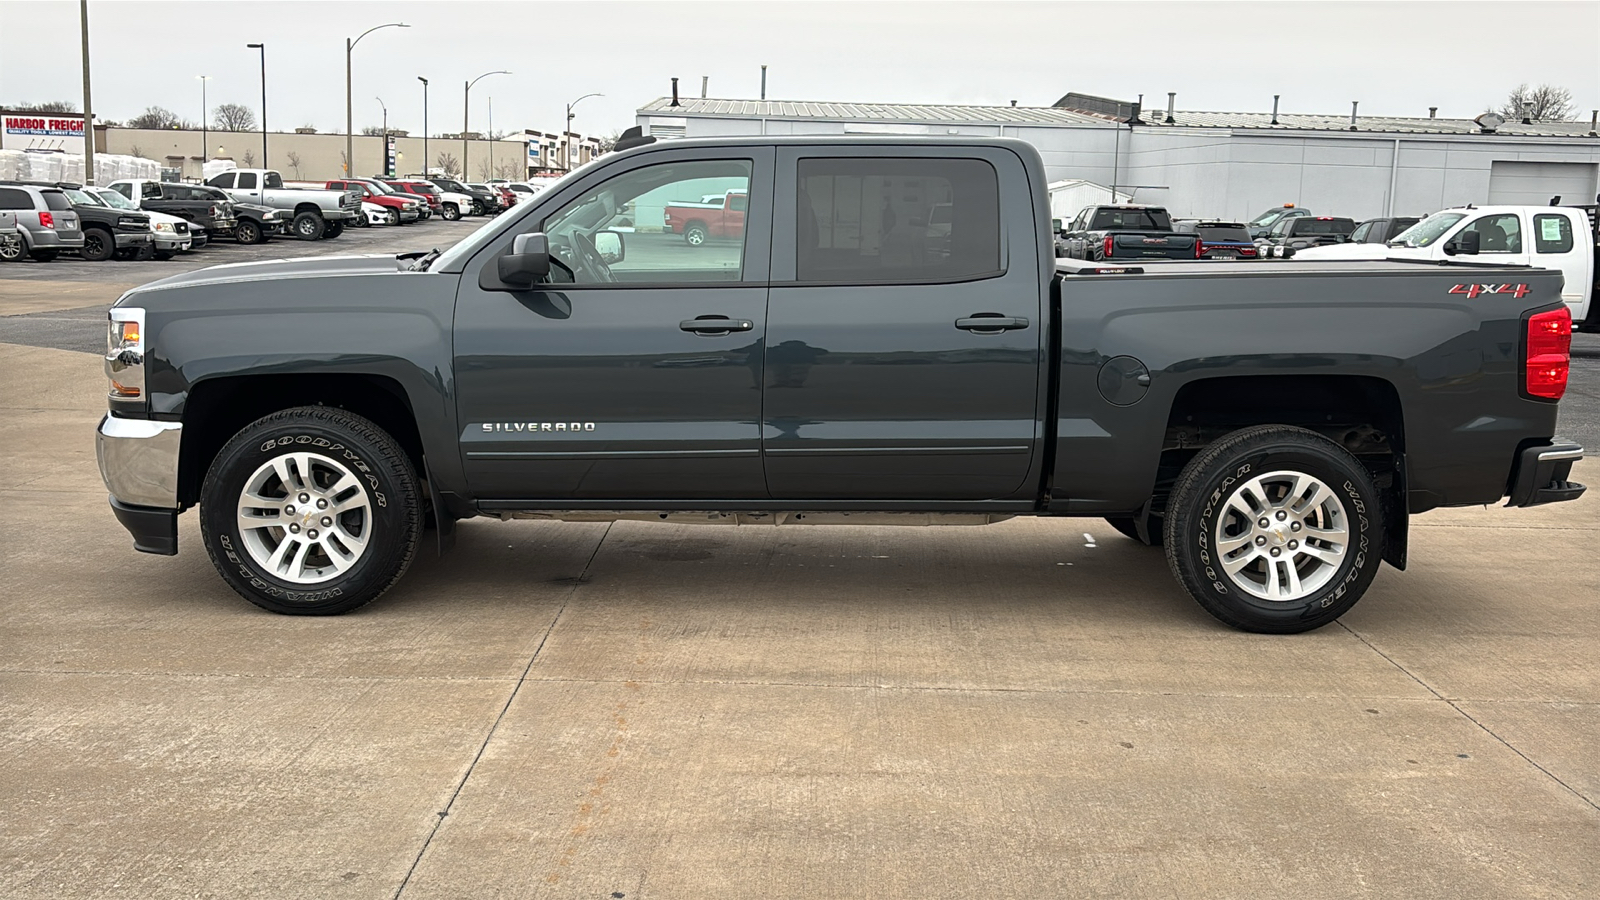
x,y
267,269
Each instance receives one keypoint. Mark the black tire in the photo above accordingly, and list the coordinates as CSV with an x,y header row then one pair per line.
x,y
164,255
42,255
392,522
451,212
394,217
333,230
98,245
1201,497
696,235
1129,528
248,232
308,226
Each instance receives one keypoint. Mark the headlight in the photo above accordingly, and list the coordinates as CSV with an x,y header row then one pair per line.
x,y
125,353
164,226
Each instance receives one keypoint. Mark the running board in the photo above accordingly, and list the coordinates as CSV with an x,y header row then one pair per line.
x,y
710,517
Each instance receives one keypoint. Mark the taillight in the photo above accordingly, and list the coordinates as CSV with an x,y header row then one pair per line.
x,y
46,220
1199,248
1247,251
1108,246
1549,359
213,211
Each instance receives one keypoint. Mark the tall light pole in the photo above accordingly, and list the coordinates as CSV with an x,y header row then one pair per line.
x,y
205,138
466,109
263,49
349,116
491,136
566,139
385,134
424,125
88,108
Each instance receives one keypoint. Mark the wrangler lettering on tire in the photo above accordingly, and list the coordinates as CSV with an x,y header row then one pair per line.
x,y
1274,529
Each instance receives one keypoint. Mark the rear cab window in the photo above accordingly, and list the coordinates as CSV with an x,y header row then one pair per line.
x,y
873,220
1552,233
1131,220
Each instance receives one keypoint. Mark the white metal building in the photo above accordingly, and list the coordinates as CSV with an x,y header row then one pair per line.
x,y
1216,164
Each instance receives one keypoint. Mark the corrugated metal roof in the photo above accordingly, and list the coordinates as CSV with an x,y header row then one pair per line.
x,y
872,112
933,114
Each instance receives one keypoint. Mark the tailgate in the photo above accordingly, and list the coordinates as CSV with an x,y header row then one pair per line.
x,y
1152,244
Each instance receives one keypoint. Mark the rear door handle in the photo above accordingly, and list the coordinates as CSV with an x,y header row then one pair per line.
x,y
991,323
715,325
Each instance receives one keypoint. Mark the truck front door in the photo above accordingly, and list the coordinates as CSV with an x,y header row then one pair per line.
x,y
635,374
903,355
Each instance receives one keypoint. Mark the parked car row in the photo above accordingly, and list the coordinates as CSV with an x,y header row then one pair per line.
x,y
1136,231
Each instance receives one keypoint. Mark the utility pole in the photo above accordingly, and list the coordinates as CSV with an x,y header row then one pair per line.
x,y
205,139
566,139
263,49
88,108
466,109
385,153
349,137
491,137
424,125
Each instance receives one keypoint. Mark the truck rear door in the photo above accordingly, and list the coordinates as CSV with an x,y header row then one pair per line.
x,y
903,355
1561,241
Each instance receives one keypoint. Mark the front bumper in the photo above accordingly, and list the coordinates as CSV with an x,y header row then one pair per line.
x,y
1541,474
139,465
125,240
172,241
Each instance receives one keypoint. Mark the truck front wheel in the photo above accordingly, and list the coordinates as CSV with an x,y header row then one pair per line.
x,y
308,226
333,230
247,232
311,511
1274,529
450,211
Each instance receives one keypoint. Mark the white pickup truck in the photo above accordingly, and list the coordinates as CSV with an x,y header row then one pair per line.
x,y
1549,237
317,214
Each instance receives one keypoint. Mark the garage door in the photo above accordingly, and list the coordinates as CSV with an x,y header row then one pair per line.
x,y
1534,183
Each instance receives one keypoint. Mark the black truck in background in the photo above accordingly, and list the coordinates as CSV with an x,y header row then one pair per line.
x,y
1125,232
846,360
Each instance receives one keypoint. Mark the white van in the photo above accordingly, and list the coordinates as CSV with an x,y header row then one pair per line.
x,y
1550,237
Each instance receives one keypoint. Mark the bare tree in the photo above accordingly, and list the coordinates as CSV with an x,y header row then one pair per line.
x,y
448,163
510,171
294,163
233,117
1547,102
373,130
51,106
249,159
136,150
155,117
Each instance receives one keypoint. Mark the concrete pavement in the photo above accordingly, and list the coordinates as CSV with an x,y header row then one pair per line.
x,y
653,711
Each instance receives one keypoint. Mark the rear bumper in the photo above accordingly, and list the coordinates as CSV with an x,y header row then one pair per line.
x,y
50,239
1541,474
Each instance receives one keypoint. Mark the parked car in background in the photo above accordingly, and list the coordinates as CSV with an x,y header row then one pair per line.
x,y
1260,225
720,216
430,193
1381,231
1125,231
1292,235
1545,237
317,214
373,214
163,227
402,210
10,238
45,222
524,192
253,223
483,203
1219,240
108,231
193,203
497,197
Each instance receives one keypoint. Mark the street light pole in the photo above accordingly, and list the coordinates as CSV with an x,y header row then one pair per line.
x,y
385,153
205,139
88,109
566,139
349,116
466,110
263,49
491,137
424,125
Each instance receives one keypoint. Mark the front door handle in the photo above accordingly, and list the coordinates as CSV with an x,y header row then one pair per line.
x,y
715,325
991,323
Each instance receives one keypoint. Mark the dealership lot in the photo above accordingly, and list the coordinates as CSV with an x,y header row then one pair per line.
x,y
573,710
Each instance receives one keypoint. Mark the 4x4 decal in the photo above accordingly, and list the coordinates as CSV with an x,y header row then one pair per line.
x,y
1472,290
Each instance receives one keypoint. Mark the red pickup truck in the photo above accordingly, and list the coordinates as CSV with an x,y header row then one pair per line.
x,y
713,217
402,209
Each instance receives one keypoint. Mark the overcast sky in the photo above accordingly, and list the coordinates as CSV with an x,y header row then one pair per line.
x,y
1397,58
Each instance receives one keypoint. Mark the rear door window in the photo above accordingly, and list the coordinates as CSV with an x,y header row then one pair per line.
x,y
1552,234
247,180
870,220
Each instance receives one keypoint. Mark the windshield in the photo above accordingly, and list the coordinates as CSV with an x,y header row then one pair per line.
x,y
1134,219
1324,226
1268,217
114,199
1427,231
380,187
79,198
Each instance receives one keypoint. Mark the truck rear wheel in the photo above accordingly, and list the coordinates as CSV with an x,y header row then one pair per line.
x,y
695,234
311,511
1274,529
307,226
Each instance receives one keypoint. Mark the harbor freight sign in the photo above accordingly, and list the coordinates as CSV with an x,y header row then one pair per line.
x,y
40,131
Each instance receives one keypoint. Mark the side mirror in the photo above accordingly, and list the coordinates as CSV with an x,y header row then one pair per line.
x,y
611,247
1467,243
528,261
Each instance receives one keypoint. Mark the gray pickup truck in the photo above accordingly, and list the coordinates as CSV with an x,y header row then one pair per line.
x,y
845,360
